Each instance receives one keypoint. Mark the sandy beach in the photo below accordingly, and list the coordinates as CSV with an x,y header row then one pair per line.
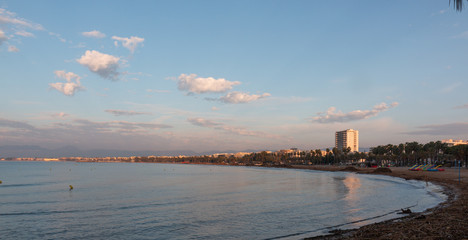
x,y
449,220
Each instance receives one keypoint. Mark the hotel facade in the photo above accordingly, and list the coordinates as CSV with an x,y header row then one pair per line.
x,y
347,138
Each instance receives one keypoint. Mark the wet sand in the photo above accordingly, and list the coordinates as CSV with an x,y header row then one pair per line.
x,y
449,220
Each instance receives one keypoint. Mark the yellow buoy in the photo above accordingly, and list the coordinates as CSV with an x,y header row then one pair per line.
x,y
71,187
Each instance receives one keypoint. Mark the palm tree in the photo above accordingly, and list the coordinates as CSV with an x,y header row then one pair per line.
x,y
328,153
457,4
335,154
345,152
318,153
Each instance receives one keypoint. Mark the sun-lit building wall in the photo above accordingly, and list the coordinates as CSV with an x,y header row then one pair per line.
x,y
347,138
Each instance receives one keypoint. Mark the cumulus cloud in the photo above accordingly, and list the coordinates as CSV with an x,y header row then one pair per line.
x,y
68,88
450,129
94,34
194,84
201,122
240,97
104,65
125,113
129,43
12,48
333,116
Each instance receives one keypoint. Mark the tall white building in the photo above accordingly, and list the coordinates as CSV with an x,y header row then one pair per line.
x,y
347,138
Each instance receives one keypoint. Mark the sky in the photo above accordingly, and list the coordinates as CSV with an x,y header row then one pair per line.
x,y
218,75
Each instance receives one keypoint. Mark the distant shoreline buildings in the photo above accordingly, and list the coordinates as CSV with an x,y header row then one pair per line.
x,y
451,142
347,138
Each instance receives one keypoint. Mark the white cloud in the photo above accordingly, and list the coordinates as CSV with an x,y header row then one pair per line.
x,y
129,43
103,64
24,33
201,122
12,48
214,109
7,17
58,36
120,126
3,37
332,116
125,113
71,86
94,34
194,84
10,23
60,115
240,97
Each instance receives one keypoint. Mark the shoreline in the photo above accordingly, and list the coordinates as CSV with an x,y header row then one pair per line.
x,y
448,220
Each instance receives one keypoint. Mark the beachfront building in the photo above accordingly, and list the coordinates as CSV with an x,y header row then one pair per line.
x,y
347,138
451,142
292,152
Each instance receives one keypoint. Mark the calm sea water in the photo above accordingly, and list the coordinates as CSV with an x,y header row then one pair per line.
x,y
166,201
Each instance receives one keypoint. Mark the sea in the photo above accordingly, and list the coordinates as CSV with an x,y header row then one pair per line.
x,y
180,201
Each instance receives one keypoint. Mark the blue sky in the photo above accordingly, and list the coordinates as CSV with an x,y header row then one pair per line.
x,y
218,75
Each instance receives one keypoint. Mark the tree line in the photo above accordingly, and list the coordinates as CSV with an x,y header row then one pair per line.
x,y
403,154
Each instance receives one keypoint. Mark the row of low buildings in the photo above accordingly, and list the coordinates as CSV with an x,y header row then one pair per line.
x,y
451,142
343,140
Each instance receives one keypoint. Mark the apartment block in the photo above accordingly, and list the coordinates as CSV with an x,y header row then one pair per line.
x,y
347,138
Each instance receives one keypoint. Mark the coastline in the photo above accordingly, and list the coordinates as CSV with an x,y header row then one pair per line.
x,y
448,220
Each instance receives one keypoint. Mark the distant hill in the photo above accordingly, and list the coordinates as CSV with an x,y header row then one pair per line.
x,y
70,151
21,151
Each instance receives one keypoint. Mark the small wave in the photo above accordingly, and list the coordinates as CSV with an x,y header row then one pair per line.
x,y
25,184
39,213
21,185
337,226
29,203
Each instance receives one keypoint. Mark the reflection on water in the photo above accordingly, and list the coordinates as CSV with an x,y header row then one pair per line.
x,y
353,184
147,201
